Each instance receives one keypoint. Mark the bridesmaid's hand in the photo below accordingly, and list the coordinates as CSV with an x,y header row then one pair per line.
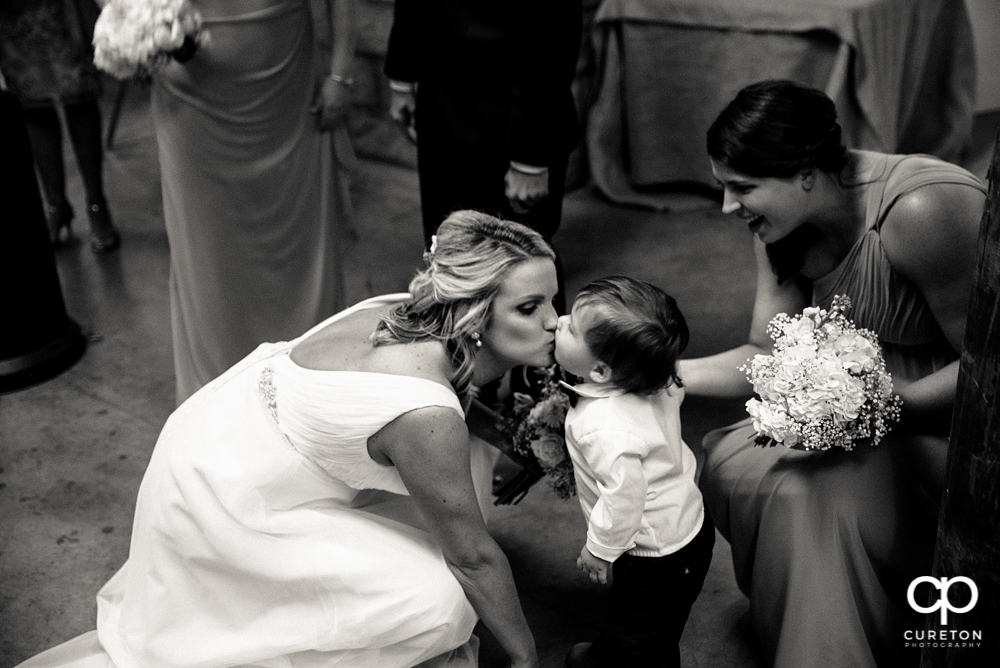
x,y
333,99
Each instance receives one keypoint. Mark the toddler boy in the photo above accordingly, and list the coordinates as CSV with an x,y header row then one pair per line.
x,y
635,476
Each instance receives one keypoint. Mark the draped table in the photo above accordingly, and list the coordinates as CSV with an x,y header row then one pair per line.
x,y
902,73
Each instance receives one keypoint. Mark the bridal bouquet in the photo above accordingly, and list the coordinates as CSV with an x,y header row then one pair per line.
x,y
535,425
138,37
824,385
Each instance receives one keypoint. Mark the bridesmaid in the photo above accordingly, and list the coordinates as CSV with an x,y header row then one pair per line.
x,y
825,544
254,197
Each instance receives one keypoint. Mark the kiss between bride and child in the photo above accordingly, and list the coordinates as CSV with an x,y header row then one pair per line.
x,y
322,502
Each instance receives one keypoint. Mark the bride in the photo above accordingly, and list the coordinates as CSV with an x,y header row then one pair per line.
x,y
321,503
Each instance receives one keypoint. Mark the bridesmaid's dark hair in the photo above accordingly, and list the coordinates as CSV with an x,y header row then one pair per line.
x,y
776,129
452,299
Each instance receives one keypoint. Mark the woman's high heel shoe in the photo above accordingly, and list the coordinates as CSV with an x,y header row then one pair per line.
x,y
104,238
59,218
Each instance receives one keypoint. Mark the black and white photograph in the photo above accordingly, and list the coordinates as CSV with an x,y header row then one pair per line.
x,y
499,333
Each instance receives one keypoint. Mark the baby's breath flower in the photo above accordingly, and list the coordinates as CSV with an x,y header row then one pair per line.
x,y
824,384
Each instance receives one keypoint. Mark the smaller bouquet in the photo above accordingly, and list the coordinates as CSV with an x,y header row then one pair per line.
x,y
136,38
824,385
535,425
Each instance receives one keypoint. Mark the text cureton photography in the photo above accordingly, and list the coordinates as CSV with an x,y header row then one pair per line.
x,y
943,637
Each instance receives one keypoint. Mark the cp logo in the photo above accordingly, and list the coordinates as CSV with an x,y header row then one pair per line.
x,y
943,603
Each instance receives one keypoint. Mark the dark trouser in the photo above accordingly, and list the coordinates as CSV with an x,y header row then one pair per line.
x,y
651,598
462,157
462,154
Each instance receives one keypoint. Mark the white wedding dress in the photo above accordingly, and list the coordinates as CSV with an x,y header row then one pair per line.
x,y
254,545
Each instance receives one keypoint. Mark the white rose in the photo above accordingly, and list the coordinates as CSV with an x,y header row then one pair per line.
x,y
549,449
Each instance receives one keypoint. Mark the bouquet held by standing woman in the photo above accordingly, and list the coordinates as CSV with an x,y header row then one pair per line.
x,y
824,385
136,38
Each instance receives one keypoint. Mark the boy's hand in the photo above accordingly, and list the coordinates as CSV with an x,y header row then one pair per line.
x,y
595,567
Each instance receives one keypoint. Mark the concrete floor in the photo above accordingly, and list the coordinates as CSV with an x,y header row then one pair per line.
x,y
73,449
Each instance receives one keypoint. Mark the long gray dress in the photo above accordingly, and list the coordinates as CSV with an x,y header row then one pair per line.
x,y
825,544
252,197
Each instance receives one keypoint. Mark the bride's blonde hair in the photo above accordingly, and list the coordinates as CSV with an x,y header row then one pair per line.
x,y
451,300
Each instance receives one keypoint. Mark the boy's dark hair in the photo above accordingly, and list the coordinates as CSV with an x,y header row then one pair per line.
x,y
639,332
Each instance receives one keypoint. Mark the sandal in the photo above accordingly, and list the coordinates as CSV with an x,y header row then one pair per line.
x,y
104,238
59,218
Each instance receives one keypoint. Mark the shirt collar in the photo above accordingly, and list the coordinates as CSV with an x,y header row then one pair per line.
x,y
594,390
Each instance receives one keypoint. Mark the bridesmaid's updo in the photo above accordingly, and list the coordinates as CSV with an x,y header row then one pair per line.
x,y
470,256
777,128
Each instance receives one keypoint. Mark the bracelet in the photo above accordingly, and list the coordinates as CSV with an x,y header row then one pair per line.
x,y
347,82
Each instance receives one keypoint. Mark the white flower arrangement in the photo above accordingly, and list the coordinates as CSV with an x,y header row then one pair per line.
x,y
136,38
824,384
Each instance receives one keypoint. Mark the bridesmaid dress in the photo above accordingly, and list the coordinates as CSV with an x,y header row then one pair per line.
x,y
252,197
825,544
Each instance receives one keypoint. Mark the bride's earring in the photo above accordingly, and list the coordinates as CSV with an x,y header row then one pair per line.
x,y
475,337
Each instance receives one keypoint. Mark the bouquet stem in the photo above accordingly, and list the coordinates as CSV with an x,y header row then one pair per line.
x,y
186,50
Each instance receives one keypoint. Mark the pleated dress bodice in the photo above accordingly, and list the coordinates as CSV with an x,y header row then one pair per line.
x,y
883,300
328,416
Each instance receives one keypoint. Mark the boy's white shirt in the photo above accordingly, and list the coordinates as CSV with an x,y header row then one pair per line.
x,y
634,473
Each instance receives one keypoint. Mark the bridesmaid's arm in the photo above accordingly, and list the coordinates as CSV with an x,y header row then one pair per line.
x,y
344,36
930,236
430,449
334,96
719,375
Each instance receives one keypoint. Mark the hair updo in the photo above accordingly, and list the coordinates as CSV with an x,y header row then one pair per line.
x,y
452,299
776,129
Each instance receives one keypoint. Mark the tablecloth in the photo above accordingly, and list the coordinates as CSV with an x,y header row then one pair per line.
x,y
902,73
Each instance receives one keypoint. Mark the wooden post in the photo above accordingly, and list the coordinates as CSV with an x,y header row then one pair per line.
x,y
968,540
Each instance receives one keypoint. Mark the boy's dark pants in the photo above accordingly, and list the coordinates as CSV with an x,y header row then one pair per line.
x,y
651,598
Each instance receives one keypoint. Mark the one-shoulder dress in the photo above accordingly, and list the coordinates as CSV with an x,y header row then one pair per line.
x,y
254,198
825,544
265,535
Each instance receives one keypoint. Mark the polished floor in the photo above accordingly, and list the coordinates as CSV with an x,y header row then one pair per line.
x,y
73,449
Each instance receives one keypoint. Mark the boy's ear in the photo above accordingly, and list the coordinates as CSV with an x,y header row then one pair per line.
x,y
601,373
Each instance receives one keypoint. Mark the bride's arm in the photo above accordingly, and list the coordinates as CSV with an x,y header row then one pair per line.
x,y
719,375
430,449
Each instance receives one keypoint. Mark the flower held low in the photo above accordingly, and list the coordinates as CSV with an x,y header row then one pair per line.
x,y
824,384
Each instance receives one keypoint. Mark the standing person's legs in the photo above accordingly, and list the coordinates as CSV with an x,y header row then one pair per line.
x,y
45,135
651,598
84,123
